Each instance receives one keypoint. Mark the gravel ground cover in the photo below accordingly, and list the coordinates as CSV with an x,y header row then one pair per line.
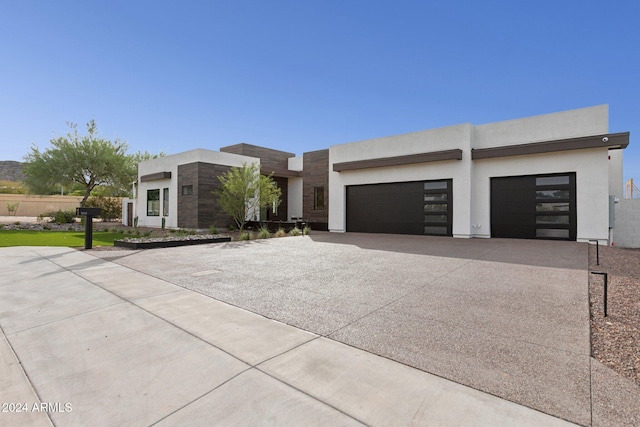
x,y
615,339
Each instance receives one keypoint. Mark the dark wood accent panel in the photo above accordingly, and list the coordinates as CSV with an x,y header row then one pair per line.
x,y
271,161
188,205
434,156
315,174
209,212
612,141
155,176
200,209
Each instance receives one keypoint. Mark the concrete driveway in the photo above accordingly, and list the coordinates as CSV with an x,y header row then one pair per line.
x,y
507,318
504,316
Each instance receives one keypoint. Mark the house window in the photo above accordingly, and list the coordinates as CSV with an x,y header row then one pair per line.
x,y
153,202
165,202
187,190
318,198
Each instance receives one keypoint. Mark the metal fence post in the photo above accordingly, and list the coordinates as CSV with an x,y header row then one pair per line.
x,y
597,251
606,276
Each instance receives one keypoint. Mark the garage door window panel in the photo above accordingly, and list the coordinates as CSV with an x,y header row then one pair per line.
x,y
552,207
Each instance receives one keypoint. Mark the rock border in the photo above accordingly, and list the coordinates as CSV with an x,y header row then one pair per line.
x,y
168,243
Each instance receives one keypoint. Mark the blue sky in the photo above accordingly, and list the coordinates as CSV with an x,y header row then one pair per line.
x,y
303,75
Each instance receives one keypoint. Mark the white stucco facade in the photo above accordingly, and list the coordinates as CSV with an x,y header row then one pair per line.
x,y
598,170
570,143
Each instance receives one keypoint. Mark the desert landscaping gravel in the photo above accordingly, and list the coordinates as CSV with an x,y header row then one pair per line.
x,y
615,339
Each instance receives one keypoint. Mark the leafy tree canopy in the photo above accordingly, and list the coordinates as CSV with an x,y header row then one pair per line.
x,y
244,192
81,163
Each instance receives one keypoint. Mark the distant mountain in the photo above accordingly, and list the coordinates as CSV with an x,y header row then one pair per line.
x,y
11,171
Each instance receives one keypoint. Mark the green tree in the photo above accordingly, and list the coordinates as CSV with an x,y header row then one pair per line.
x,y
244,192
87,160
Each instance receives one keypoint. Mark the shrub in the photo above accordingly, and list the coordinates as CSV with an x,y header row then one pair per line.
x,y
263,233
295,231
306,231
245,235
111,207
59,217
213,229
280,232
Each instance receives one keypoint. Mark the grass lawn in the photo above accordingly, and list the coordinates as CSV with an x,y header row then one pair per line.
x,y
54,238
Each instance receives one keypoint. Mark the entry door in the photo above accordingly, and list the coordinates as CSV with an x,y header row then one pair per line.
x,y
534,207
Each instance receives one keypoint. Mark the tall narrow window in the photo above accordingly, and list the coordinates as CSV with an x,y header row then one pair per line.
x,y
318,198
165,202
153,202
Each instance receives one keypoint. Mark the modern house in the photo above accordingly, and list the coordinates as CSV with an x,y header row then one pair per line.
x,y
554,176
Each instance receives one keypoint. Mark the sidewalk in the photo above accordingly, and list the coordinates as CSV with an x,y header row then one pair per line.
x,y
101,344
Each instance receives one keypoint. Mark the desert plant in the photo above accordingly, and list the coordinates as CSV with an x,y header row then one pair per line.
x,y
245,235
280,232
213,229
295,231
306,231
243,192
12,208
263,233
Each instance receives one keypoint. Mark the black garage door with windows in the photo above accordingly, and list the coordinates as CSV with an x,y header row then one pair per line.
x,y
534,206
419,207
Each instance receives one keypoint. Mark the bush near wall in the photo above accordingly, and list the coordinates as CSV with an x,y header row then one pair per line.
x,y
111,207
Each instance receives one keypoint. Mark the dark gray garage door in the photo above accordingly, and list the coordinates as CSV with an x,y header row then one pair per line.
x,y
420,207
534,207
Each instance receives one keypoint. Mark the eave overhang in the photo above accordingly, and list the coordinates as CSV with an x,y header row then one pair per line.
x,y
285,173
155,176
434,156
612,141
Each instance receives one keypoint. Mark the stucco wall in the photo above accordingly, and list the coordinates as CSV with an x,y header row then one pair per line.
x,y
294,198
471,179
170,164
545,127
440,139
626,233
